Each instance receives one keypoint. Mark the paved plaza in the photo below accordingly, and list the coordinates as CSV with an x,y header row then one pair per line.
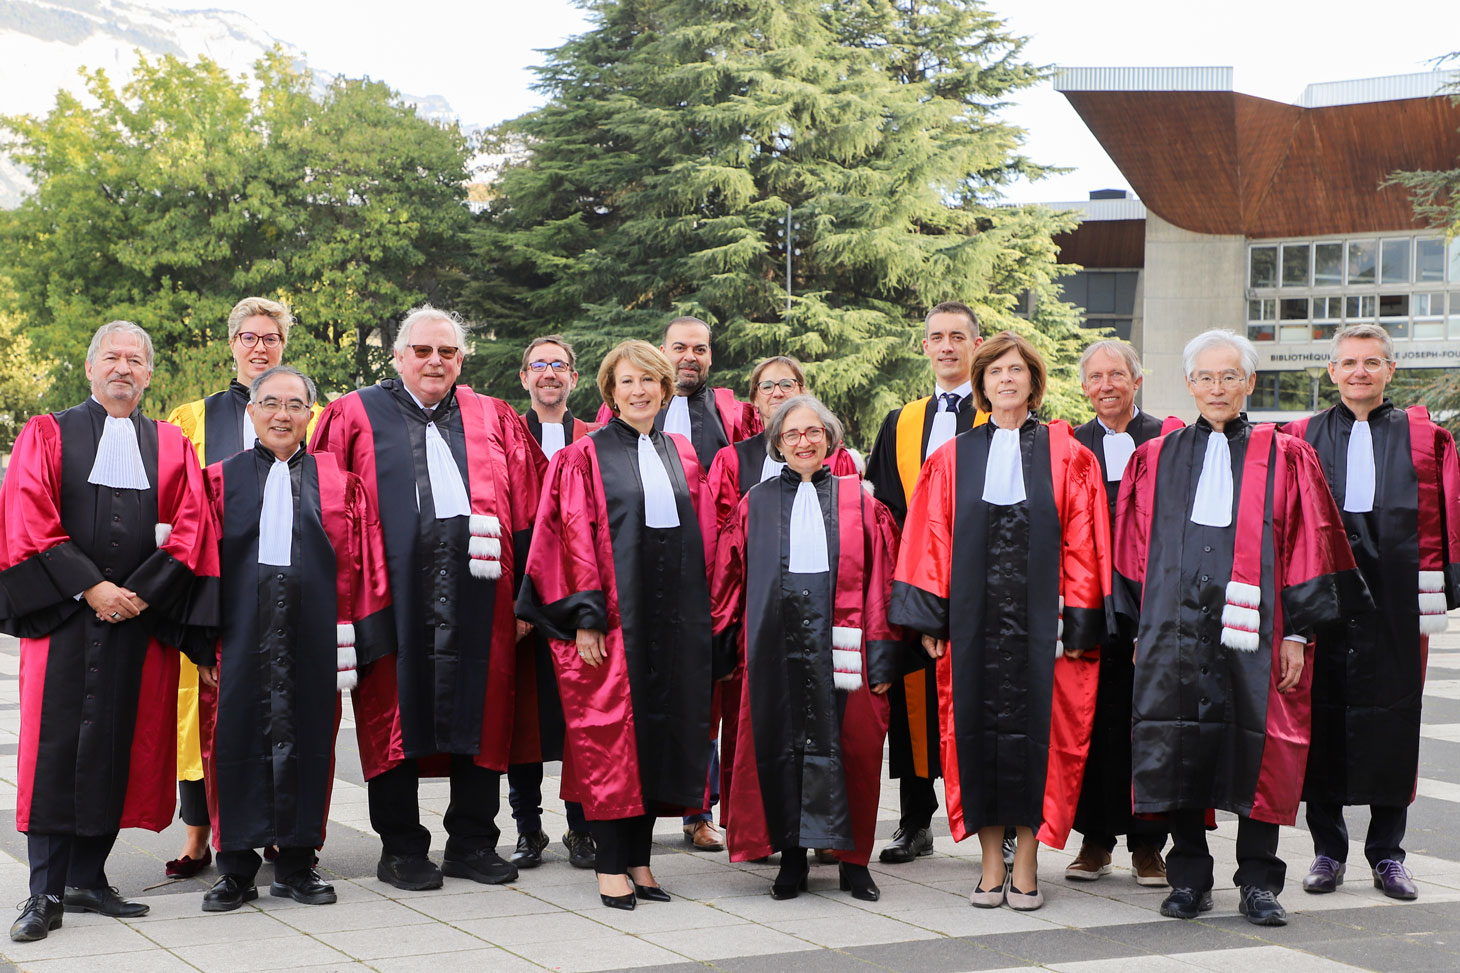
x,y
723,918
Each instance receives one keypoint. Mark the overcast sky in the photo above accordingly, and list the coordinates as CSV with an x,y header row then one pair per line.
x,y
479,54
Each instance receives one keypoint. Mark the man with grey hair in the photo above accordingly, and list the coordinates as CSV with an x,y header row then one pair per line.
x,y
1395,475
1110,374
456,479
1220,706
107,567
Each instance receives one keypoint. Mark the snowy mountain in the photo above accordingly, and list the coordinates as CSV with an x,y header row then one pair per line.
x,y
43,44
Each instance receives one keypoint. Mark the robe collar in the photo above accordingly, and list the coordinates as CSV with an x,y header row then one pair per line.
x,y
1381,411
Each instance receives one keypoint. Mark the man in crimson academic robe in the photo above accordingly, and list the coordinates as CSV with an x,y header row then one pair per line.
x,y
710,418
304,590
1110,374
455,477
549,375
909,435
107,567
1395,477
1222,689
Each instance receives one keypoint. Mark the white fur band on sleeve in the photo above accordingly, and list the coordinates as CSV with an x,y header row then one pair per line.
x,y
846,664
162,532
1432,603
484,525
489,569
1432,581
1241,620
345,659
1246,595
483,547
846,638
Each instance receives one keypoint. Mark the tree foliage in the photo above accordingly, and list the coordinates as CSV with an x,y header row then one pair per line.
x,y
677,134
24,377
166,201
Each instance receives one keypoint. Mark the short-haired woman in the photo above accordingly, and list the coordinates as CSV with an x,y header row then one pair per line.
x,y
1005,569
802,580
617,578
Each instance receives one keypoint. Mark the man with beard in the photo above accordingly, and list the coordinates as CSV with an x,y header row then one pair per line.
x,y
909,435
456,479
549,375
1394,474
107,562
1110,374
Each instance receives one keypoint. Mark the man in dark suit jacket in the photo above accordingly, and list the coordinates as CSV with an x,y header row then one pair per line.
x,y
1110,374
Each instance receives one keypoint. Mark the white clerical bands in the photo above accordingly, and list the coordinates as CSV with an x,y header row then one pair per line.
x,y
484,549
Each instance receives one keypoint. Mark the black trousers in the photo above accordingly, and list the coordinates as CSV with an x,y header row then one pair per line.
x,y
524,794
1189,864
471,817
192,803
1386,832
623,843
61,860
918,801
245,864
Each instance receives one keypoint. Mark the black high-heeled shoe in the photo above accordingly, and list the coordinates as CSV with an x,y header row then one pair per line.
x,y
791,879
625,902
858,880
651,893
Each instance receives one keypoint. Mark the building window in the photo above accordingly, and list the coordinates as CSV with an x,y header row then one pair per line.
x,y
1290,392
1261,315
1295,265
1429,261
1455,314
1328,265
1262,267
1394,261
1429,316
1363,257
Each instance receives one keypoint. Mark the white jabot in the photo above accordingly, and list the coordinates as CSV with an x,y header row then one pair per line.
x,y
118,457
276,518
448,493
250,435
660,510
807,540
1213,503
769,469
1003,477
1118,449
554,438
1358,491
676,418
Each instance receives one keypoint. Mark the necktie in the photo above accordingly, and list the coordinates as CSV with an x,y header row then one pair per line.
x,y
1358,493
945,422
276,517
807,540
1213,503
118,457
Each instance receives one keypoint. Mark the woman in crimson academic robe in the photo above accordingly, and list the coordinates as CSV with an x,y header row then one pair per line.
x,y
1005,569
617,577
802,578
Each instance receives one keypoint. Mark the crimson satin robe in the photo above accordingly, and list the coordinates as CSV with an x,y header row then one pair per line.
x,y
455,694
1208,728
98,701
938,591
571,582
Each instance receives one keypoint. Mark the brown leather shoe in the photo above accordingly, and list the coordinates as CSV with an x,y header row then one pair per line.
x,y
1091,863
1149,867
704,836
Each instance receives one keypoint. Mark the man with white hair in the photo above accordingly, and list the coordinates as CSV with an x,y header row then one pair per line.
x,y
456,479
1221,701
1110,374
107,566
1394,473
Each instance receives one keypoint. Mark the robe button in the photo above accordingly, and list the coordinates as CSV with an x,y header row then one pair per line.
x,y
117,519
279,632
96,645
116,493
1205,641
442,625
107,572
280,604
805,593
1203,668
443,599
96,669
443,572
278,577
805,623
1206,577
116,543
1353,538
1205,610
1205,701
1207,549
280,744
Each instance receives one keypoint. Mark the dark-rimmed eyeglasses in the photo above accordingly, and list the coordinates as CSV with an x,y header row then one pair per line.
x,y
249,338
785,385
542,366
814,435
447,352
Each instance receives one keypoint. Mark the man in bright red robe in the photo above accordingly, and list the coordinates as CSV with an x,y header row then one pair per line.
x,y
455,477
107,567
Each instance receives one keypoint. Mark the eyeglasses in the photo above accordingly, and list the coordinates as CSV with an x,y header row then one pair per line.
x,y
447,352
541,366
1347,365
271,405
785,385
248,339
1206,381
814,435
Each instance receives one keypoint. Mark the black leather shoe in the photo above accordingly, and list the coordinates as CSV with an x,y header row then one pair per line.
x,y
1186,903
857,880
38,916
228,893
625,902
306,887
907,844
582,852
410,873
529,849
650,893
483,865
105,901
1261,907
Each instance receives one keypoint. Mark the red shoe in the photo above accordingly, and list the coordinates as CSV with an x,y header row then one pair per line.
x,y
187,866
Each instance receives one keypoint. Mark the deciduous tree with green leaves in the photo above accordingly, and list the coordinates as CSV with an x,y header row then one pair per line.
x,y
682,139
166,201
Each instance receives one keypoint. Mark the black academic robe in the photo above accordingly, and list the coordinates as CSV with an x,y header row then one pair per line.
x,y
291,635
98,700
1104,807
897,457
1369,670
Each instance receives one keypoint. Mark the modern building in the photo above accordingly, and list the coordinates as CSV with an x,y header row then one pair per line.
x,y
1270,219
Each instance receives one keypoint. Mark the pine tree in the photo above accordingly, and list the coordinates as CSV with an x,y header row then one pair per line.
x,y
681,139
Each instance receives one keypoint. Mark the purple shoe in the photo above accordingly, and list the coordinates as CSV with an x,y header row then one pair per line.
x,y
1324,875
1395,880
